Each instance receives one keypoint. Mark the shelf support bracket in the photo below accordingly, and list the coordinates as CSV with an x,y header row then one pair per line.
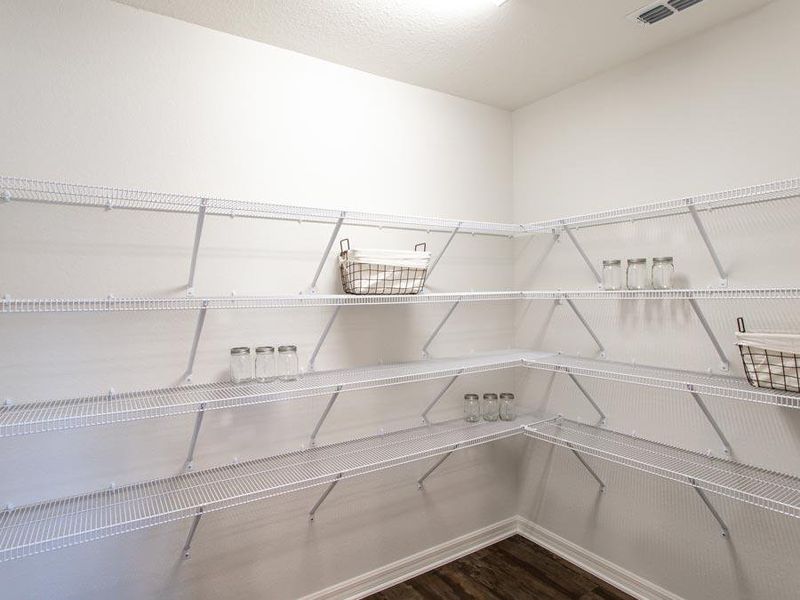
x,y
581,251
707,241
313,439
603,417
322,498
201,319
585,323
724,365
198,232
726,445
590,469
436,465
322,337
198,422
710,507
439,397
438,328
313,287
192,530
441,253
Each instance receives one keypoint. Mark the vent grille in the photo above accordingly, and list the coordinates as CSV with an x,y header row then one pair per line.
x,y
655,14
658,11
682,4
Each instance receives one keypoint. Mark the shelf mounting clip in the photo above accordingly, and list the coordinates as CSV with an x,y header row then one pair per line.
x,y
710,507
603,417
439,396
201,319
588,467
313,439
198,422
186,552
436,465
322,498
727,450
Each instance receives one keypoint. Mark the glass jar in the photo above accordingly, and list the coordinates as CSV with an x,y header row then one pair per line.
x,y
241,365
612,274
266,369
472,408
637,273
662,273
508,410
491,408
287,363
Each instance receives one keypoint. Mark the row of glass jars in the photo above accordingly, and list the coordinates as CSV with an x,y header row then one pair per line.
x,y
491,408
269,365
636,277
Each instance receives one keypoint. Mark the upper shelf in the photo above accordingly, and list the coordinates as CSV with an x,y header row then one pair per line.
x,y
113,304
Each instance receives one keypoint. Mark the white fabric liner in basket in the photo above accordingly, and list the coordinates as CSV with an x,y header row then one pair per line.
x,y
410,259
788,343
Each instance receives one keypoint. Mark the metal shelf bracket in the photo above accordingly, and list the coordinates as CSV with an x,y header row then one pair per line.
x,y
603,417
433,335
439,396
322,337
201,319
726,445
443,250
723,277
724,364
322,498
313,287
198,232
313,439
186,552
589,468
710,507
585,323
436,465
582,252
198,422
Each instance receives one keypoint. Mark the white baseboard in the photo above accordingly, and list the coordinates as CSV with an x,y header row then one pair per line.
x,y
422,562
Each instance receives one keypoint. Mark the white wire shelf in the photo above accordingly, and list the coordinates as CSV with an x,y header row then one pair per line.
x,y
49,192
54,524
672,379
105,409
114,304
759,487
777,190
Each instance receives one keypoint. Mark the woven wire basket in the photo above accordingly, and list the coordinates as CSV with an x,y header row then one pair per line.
x,y
367,278
766,368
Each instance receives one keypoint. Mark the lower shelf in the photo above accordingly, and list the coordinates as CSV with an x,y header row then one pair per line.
x,y
760,487
59,523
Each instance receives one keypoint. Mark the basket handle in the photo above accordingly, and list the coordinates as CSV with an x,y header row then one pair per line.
x,y
424,246
740,324
342,244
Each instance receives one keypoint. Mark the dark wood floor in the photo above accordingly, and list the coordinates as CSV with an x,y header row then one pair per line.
x,y
514,569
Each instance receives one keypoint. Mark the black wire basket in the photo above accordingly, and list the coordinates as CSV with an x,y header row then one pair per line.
x,y
362,278
766,368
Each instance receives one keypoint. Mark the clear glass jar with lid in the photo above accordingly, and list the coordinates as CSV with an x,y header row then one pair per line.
x,y
241,364
472,408
637,273
266,368
662,273
612,274
288,367
508,410
491,408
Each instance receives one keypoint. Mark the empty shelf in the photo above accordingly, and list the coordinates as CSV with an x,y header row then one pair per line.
x,y
671,379
762,488
87,411
58,523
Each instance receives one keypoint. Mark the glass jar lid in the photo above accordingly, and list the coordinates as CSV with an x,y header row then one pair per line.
x,y
240,350
612,262
287,348
265,349
470,396
637,261
662,259
507,395
490,396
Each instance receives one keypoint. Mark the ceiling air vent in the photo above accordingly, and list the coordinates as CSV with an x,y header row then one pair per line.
x,y
681,4
655,14
658,11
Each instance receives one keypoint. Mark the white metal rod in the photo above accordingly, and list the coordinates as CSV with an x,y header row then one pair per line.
x,y
583,321
435,466
192,530
586,259
201,319
704,498
327,251
198,232
590,469
444,249
603,417
707,241
322,337
728,450
198,422
723,358
319,502
313,439
438,328
439,396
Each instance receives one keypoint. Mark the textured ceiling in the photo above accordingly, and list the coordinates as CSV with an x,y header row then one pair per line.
x,y
505,56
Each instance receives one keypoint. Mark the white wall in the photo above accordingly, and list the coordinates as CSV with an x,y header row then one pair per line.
x,y
99,93
714,112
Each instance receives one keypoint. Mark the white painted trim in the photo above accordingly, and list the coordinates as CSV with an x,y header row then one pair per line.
x,y
416,564
609,572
